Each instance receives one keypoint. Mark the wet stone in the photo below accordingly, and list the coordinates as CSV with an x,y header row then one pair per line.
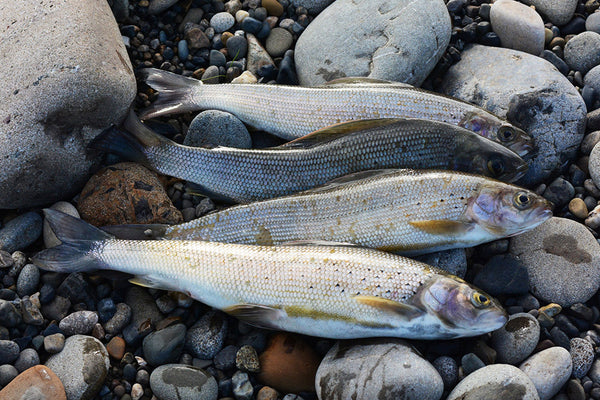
x,y
78,323
36,383
498,381
176,382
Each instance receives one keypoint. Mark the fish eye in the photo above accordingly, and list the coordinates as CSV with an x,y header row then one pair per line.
x,y
480,300
496,166
506,133
522,200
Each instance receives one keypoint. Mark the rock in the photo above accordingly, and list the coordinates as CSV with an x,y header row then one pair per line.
x,y
158,6
237,47
471,363
81,366
7,374
519,27
503,274
313,6
56,98
164,346
531,93
592,23
559,192
246,359
78,323
118,321
348,369
57,309
399,41
196,38
142,306
178,382
217,128
267,393
582,355
453,261
116,347
448,370
273,7
578,208
582,52
126,193
54,343
498,381
28,280
559,12
549,370
594,164
278,42
516,340
562,259
27,359
217,58
206,337
257,55
36,383
222,21
245,77
21,231
9,315
288,364
242,387
593,373
9,351
194,16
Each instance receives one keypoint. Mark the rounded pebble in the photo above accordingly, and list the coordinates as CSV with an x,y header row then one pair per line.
x,y
278,42
222,21
9,351
27,359
549,370
178,382
578,208
78,323
517,338
582,354
246,359
205,338
448,370
498,381
164,346
242,387
582,52
20,232
519,27
28,280
217,128
36,383
7,374
54,343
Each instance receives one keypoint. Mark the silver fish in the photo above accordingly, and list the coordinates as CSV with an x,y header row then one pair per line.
x,y
245,175
404,211
328,291
294,111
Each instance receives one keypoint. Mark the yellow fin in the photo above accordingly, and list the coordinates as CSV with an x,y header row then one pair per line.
x,y
402,309
154,283
441,226
256,314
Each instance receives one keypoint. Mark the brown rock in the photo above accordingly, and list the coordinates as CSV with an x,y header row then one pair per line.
x,y
273,7
116,347
38,382
578,208
267,393
126,193
289,364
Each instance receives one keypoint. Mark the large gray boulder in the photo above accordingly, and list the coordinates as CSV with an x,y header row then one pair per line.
x,y
64,77
399,41
531,93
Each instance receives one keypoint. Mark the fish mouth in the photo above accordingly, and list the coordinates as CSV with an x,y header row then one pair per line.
x,y
524,146
519,171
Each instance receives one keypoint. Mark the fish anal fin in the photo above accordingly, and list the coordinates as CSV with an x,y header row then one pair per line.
x,y
258,315
442,226
405,310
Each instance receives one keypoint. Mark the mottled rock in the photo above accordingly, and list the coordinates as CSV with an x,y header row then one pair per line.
x,y
348,369
399,41
312,6
27,359
78,323
217,128
531,93
519,27
178,381
453,261
54,343
517,338
9,351
582,355
549,370
126,193
257,55
36,383
158,6
205,338
497,381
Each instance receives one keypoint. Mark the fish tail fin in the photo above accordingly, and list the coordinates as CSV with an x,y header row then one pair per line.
x,y
78,238
175,95
132,145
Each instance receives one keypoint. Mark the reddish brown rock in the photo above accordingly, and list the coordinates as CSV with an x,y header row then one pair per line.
x,y
126,193
267,393
37,382
116,347
289,364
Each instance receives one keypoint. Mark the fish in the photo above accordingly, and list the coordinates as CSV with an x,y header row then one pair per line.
x,y
291,112
244,175
408,212
333,291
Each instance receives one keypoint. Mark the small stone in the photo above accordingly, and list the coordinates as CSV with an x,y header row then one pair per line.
x,y
549,370
57,309
559,12
503,274
258,57
50,239
237,47
222,21
519,27
54,343
116,347
119,320
205,338
211,75
246,359
217,58
28,280
9,351
78,323
164,346
582,52
242,388
578,208
267,393
556,61
226,358
36,383
273,7
592,23
448,370
582,354
177,381
559,192
7,374
516,340
196,39
20,232
217,128
27,359
193,16
453,261
158,6
278,42
9,315
240,15
495,381
471,363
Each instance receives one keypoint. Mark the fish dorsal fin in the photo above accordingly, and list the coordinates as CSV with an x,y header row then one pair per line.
x,y
257,315
332,132
354,177
442,226
317,243
362,81
405,310
154,283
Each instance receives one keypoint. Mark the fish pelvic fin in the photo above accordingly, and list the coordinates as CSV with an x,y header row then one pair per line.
x,y
175,95
404,310
257,315
78,238
442,226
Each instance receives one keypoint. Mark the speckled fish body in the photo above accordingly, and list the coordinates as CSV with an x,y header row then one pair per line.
x,y
410,212
294,111
328,291
245,175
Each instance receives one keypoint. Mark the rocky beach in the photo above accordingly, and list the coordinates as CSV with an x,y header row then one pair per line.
x,y
71,69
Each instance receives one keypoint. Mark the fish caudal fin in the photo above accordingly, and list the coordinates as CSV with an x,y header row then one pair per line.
x,y
175,92
78,240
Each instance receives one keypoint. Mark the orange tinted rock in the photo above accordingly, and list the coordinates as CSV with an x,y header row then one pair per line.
x,y
38,382
116,347
126,193
273,7
289,364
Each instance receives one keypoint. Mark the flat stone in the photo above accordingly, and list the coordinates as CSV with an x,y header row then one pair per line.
x,y
497,381
178,382
56,95
549,370
531,93
21,231
519,27
164,346
517,339
36,383
559,12
562,259
50,239
398,41
348,369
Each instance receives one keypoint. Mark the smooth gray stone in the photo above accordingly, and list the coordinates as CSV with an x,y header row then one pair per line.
x,y
549,370
179,381
517,339
398,41
164,346
559,12
158,6
519,27
592,23
582,52
21,231
531,93
217,128
313,6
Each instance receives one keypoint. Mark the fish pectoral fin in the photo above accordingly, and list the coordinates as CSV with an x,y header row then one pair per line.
x,y
405,310
257,315
153,282
442,226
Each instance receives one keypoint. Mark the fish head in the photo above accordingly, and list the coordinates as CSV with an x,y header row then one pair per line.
x,y
492,127
461,308
478,155
507,210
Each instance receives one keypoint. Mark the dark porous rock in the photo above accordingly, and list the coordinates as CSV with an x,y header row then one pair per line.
x,y
498,381
217,128
81,366
121,317
126,193
549,370
9,351
78,323
164,346
178,381
531,93
448,370
20,232
582,354
562,259
503,274
28,280
556,61
206,337
225,359
348,369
